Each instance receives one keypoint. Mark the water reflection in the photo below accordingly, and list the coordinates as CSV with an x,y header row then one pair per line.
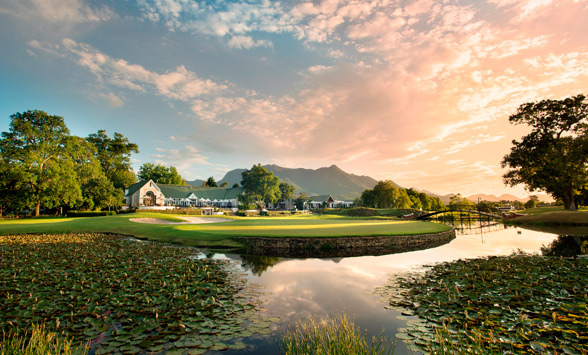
x,y
300,288
567,245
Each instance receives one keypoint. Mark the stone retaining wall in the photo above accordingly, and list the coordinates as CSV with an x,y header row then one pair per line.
x,y
343,246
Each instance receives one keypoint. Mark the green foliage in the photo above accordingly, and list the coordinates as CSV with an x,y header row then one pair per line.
x,y
160,174
36,144
145,296
301,200
530,204
114,155
529,303
386,195
286,191
458,202
260,185
90,213
225,184
553,157
337,335
210,182
38,341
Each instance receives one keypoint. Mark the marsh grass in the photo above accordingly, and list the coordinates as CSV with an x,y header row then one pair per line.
x,y
38,341
332,336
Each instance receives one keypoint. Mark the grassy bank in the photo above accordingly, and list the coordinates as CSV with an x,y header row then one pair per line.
x,y
219,235
520,304
551,216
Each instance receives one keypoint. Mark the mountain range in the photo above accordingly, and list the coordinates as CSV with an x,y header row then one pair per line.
x,y
342,185
323,181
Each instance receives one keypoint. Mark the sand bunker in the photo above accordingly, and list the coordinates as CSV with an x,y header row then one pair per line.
x,y
189,220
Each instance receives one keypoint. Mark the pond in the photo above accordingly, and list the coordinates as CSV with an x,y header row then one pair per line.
x,y
301,288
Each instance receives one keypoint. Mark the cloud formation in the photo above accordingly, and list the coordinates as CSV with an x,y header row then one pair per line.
x,y
404,90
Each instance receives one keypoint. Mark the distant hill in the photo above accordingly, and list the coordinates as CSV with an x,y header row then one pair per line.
x,y
507,197
323,181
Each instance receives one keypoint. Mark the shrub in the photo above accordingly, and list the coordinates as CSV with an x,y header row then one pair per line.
x,y
90,213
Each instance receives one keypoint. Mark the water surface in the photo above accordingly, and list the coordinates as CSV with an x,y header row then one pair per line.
x,y
301,288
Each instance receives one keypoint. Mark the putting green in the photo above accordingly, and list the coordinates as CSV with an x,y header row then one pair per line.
x,y
221,234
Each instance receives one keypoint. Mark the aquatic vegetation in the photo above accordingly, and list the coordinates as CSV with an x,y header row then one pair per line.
x,y
125,295
515,304
336,335
38,341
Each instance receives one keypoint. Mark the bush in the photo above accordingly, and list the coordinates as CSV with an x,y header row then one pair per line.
x,y
360,212
90,213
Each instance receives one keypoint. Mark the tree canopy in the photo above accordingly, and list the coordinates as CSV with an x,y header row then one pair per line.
x,y
42,165
160,174
387,195
114,155
286,191
210,182
554,156
260,185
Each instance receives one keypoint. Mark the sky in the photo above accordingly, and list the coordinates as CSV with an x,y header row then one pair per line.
x,y
415,91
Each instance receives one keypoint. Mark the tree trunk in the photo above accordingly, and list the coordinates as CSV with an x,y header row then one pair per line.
x,y
37,207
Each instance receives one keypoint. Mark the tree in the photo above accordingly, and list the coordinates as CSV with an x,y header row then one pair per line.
x,y
225,184
97,190
160,174
210,182
114,155
286,191
260,185
554,156
235,185
458,202
530,204
301,200
36,146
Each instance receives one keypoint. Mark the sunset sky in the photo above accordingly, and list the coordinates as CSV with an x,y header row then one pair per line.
x,y
418,92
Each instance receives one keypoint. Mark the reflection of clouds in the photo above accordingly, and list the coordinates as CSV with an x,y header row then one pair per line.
x,y
316,287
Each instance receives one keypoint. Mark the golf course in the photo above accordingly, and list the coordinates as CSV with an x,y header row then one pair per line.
x,y
175,229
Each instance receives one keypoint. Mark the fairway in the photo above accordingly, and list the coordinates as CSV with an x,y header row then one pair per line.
x,y
220,234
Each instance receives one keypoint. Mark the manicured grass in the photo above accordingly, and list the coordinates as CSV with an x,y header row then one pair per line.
x,y
553,218
219,234
543,210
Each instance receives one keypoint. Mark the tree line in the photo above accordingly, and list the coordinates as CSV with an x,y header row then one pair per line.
x,y
387,195
43,165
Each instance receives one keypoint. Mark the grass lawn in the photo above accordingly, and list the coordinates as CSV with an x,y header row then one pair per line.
x,y
555,215
219,234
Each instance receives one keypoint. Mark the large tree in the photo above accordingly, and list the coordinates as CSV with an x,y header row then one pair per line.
x,y
554,156
36,147
114,155
386,195
286,191
260,185
97,190
160,174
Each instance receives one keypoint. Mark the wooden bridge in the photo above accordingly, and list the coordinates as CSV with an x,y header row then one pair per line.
x,y
425,216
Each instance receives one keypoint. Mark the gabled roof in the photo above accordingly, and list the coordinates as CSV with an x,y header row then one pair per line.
x,y
321,198
211,193
135,187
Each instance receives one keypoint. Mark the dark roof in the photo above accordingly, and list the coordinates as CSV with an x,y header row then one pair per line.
x,y
320,198
183,191
212,193
135,187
